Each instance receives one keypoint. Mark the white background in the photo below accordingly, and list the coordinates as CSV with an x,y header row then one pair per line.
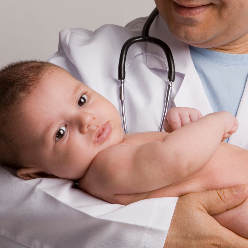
x,y
29,28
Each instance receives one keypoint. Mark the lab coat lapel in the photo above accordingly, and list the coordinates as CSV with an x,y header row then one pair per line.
x,y
179,49
190,92
240,137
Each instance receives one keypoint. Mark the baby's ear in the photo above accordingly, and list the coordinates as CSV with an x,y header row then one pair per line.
x,y
27,173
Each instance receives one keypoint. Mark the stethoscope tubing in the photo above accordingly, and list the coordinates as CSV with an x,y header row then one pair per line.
x,y
122,60
163,45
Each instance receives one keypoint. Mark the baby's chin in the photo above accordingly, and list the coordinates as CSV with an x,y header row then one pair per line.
x,y
117,137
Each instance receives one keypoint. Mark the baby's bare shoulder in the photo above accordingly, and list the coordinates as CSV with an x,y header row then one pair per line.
x,y
106,172
111,159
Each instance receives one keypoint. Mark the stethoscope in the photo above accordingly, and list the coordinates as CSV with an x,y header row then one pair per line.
x,y
121,68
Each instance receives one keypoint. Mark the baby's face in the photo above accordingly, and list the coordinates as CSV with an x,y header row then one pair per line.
x,y
64,124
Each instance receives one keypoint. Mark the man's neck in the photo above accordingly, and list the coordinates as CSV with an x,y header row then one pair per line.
x,y
239,46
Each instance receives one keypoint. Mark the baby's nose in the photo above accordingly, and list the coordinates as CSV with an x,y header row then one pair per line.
x,y
86,121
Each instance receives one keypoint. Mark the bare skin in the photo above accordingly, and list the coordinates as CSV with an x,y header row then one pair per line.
x,y
220,25
193,226
163,160
121,179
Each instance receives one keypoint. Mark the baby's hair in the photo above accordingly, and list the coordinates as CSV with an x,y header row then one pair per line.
x,y
16,81
18,78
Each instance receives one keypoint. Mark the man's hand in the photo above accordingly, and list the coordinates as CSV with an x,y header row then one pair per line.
x,y
193,226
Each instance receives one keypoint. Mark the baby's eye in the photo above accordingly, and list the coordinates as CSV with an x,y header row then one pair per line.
x,y
60,133
82,100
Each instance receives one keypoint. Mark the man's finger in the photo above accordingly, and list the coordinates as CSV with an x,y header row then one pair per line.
x,y
218,201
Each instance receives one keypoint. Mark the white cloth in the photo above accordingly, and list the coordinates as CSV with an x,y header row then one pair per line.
x,y
65,217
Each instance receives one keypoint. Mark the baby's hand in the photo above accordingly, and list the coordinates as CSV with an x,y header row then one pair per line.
x,y
179,116
230,123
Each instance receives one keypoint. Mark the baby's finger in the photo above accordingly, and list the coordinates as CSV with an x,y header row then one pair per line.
x,y
235,126
174,120
199,114
195,115
166,126
232,130
185,118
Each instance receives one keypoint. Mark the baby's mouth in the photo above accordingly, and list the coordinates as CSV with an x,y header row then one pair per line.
x,y
102,133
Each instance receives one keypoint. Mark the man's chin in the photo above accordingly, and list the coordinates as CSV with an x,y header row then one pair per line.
x,y
192,37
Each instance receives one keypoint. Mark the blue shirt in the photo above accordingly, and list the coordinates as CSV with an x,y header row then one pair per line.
x,y
223,77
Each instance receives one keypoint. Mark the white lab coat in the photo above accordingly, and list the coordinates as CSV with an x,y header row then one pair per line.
x,y
49,212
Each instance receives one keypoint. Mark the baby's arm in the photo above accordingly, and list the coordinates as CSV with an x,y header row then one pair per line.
x,y
196,143
181,153
131,169
178,117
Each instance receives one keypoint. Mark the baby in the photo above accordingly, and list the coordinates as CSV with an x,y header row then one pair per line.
x,y
53,125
